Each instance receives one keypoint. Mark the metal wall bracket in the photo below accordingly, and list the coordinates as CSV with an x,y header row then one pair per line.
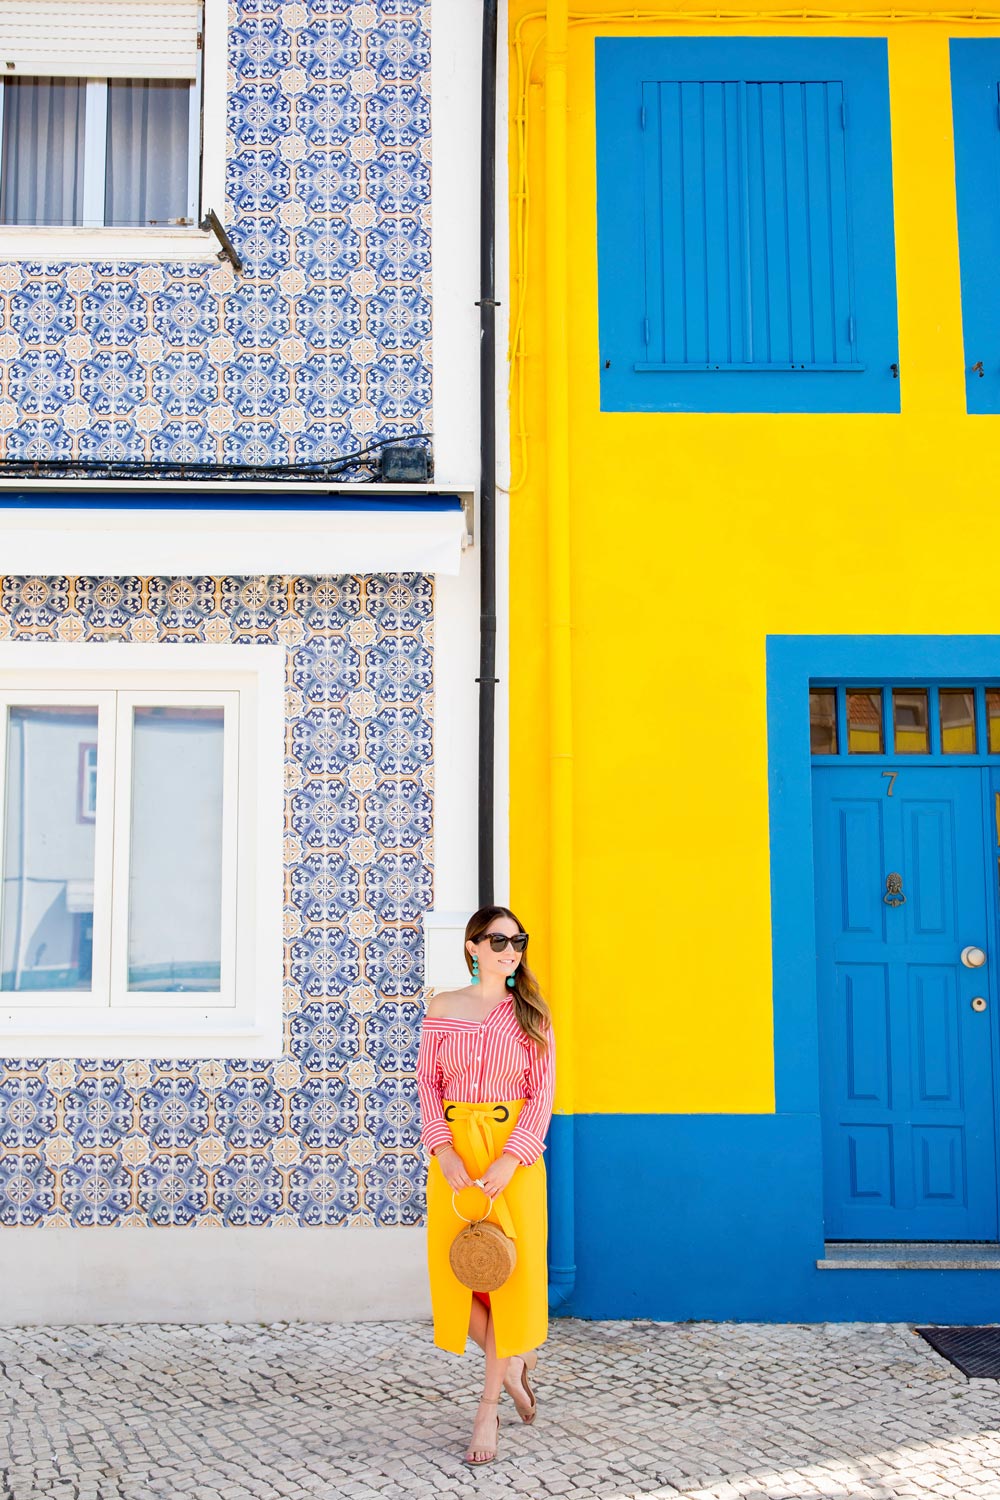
x,y
228,252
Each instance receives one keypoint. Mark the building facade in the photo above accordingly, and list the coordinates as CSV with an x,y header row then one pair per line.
x,y
751,339
228,700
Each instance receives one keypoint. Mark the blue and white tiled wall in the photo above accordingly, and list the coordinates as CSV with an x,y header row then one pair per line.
x,y
328,1133
323,342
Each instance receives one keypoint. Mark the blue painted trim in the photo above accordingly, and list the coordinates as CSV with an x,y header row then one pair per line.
x,y
235,499
720,1217
792,662
562,1211
975,76
865,317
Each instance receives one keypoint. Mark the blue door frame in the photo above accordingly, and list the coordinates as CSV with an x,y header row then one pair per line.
x,y
793,664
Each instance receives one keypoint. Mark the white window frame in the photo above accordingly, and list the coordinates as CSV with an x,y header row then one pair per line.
x,y
244,1018
207,187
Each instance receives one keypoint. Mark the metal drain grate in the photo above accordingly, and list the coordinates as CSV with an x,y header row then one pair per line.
x,y
976,1351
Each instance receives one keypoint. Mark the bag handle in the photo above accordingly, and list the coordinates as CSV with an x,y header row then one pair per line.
x,y
489,1207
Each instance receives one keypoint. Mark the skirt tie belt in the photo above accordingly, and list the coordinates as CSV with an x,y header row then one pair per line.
x,y
482,1121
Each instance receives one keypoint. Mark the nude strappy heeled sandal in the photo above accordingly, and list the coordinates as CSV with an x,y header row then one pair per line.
x,y
475,1463
528,1418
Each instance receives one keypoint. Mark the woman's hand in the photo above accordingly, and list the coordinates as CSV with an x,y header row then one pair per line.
x,y
498,1174
453,1168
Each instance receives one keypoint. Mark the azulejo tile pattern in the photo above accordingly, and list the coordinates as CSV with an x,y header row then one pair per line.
x,y
323,342
328,1134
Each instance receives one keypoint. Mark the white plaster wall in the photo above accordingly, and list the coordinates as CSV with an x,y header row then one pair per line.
x,y
456,52
212,1275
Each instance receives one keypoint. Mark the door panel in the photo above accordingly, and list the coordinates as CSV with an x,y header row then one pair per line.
x,y
928,854
934,1037
865,1029
907,1077
869,1161
860,828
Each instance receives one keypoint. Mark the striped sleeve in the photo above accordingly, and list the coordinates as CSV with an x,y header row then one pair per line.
x,y
434,1128
527,1140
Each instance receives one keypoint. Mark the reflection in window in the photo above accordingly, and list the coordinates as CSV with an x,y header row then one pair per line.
x,y
86,809
911,733
864,721
47,930
993,720
823,721
958,721
175,871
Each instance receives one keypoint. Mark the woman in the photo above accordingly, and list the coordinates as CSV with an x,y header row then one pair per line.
x,y
485,1075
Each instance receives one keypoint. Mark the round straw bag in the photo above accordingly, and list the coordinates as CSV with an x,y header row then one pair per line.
x,y
481,1255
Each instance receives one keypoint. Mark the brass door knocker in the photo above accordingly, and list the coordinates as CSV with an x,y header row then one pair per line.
x,y
894,890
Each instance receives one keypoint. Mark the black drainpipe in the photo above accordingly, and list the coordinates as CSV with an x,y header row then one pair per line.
x,y
487,450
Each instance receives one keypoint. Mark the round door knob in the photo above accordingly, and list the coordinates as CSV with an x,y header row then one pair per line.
x,y
973,958
979,1003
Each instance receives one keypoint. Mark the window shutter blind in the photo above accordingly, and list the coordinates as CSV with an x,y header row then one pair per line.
x,y
747,251
975,98
100,38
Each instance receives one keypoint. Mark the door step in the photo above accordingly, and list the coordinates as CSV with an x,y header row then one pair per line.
x,y
888,1255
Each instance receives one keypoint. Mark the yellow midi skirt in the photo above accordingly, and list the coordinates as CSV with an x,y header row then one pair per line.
x,y
520,1306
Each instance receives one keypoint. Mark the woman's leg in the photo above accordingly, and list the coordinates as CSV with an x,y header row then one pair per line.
x,y
479,1321
479,1317
483,1443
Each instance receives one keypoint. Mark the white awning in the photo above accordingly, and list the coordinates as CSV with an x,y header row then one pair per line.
x,y
74,540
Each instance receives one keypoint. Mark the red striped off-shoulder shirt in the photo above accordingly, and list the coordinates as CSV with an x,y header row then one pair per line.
x,y
491,1062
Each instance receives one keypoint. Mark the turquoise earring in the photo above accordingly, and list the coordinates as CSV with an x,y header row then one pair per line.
x,y
511,981
475,968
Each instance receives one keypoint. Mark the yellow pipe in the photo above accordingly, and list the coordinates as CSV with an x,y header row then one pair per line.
x,y
558,529
560,649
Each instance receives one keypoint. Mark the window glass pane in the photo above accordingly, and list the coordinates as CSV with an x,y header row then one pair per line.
x,y
41,162
48,850
864,721
147,162
175,885
993,719
909,721
823,721
958,721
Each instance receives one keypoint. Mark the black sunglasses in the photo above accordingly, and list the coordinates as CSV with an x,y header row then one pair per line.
x,y
499,940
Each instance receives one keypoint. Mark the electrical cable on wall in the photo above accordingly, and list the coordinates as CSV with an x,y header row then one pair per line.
x,y
118,469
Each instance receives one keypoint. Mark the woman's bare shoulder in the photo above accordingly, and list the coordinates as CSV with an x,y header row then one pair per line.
x,y
449,1005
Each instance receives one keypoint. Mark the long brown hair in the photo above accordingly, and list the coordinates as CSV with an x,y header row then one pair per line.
x,y
530,1008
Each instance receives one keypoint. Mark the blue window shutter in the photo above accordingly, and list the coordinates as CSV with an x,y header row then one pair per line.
x,y
747,240
731,177
694,210
975,76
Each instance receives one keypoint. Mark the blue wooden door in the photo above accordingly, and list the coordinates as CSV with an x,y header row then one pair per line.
x,y
907,1077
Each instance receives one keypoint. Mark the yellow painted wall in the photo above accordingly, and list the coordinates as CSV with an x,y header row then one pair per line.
x,y
693,537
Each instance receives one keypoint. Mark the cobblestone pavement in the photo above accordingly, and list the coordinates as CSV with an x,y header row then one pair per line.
x,y
705,1411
